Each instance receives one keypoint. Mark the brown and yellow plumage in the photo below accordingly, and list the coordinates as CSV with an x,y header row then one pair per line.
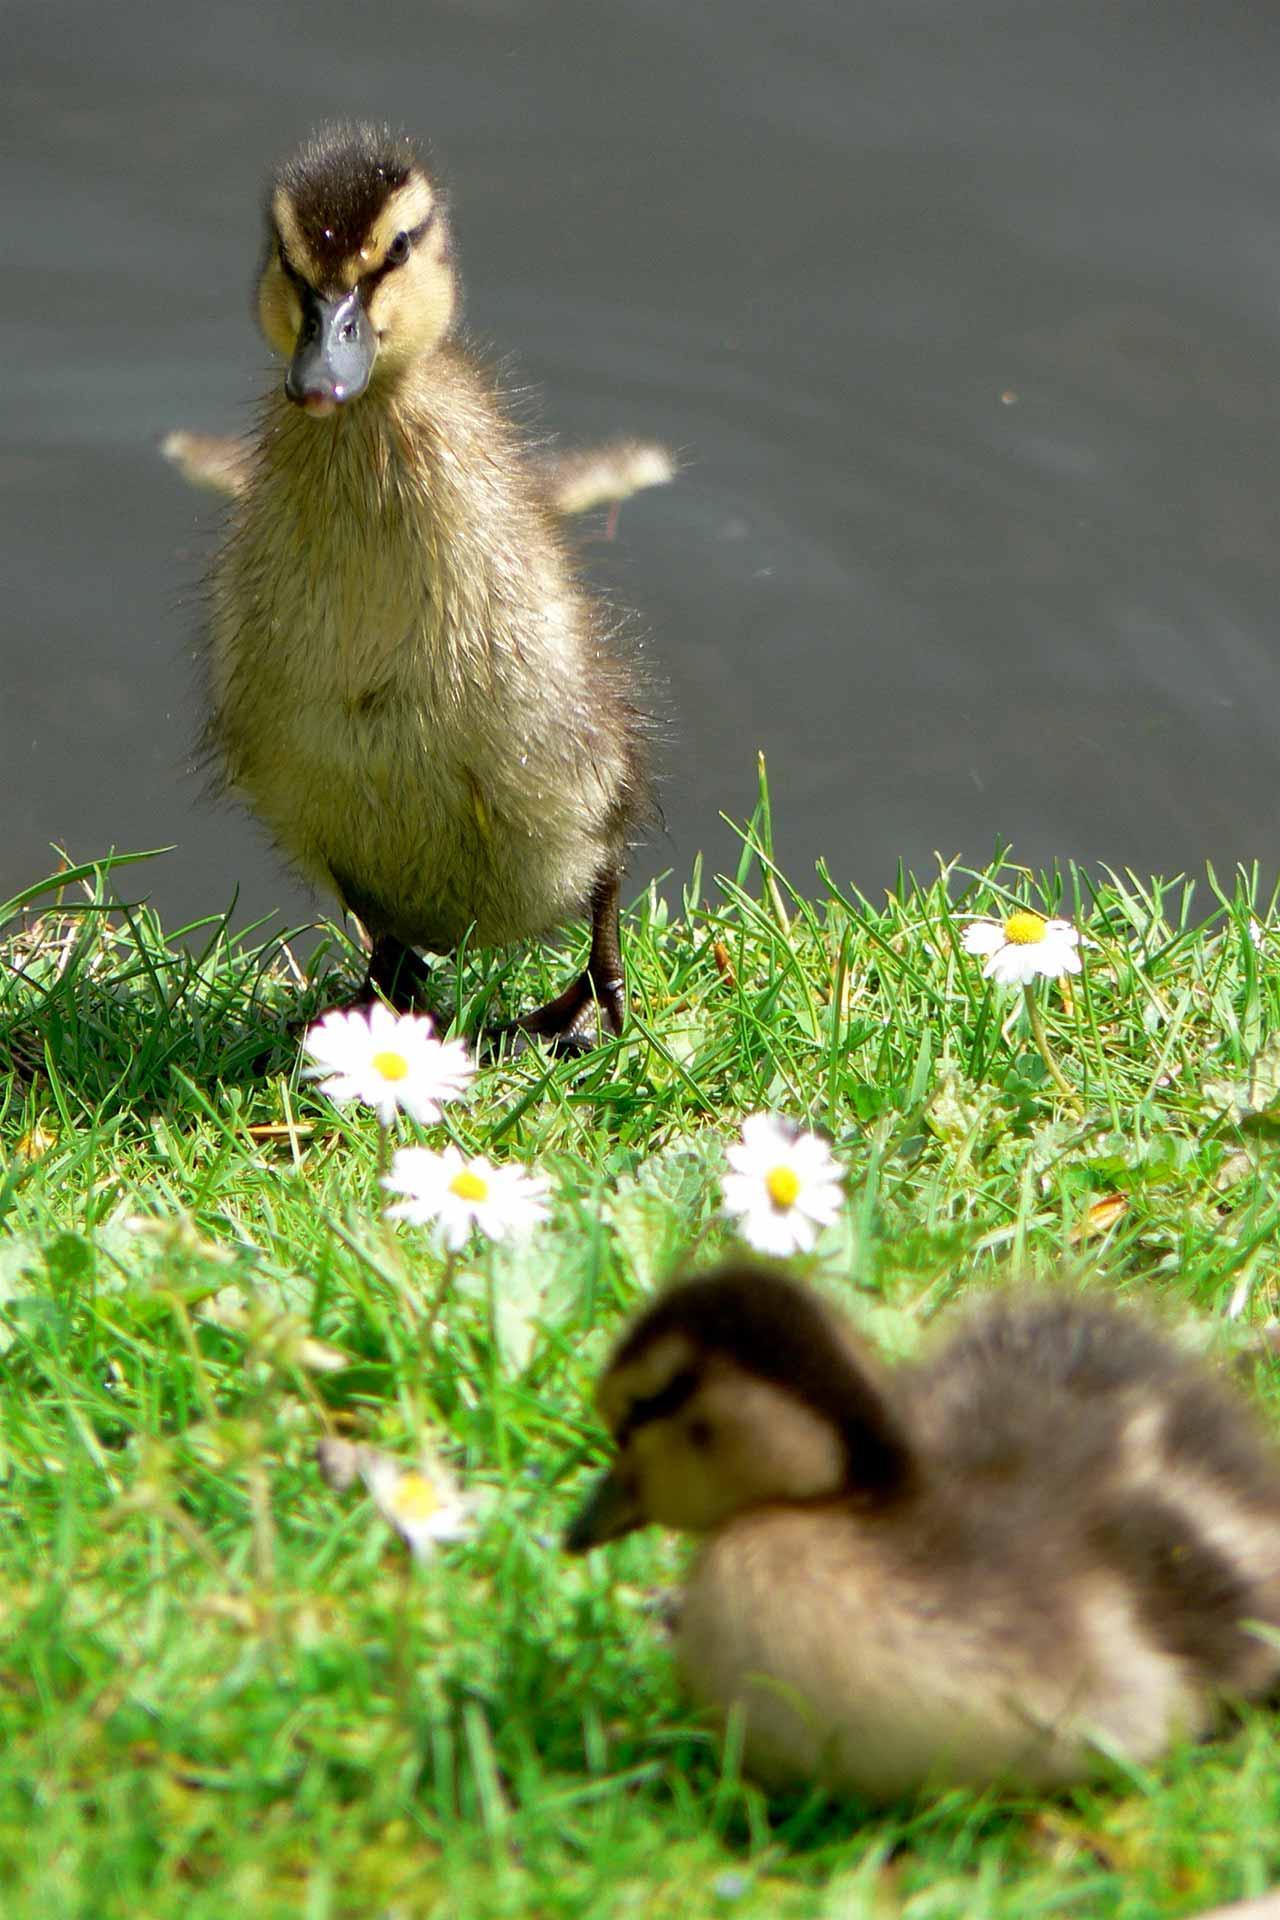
x,y
1054,1543
408,683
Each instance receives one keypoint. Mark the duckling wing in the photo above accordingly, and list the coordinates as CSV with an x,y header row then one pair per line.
x,y
1024,1369
574,480
1055,1405
571,480
1041,1343
1201,1581
216,461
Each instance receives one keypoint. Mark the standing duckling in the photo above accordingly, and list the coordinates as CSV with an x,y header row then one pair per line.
x,y
1057,1541
407,682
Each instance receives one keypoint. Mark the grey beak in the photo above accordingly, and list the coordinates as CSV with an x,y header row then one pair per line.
x,y
610,1511
335,352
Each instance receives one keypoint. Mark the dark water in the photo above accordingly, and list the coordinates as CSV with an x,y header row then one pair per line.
x,y
965,316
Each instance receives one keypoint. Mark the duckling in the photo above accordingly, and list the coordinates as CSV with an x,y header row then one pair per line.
x,y
406,680
1053,1544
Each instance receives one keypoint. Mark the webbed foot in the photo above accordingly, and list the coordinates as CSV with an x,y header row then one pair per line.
x,y
585,1014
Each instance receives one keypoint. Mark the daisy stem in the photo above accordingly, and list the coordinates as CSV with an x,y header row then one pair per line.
x,y
384,1152
1038,1034
441,1293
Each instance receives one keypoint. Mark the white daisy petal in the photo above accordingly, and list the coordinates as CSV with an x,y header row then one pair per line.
x,y
780,1234
740,1192
984,936
741,1159
812,1157
819,1203
764,1130
1011,967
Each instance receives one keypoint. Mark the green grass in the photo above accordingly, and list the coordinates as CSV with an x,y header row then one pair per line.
x,y
225,1690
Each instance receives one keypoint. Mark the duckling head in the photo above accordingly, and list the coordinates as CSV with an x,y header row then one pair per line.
x,y
735,1390
357,281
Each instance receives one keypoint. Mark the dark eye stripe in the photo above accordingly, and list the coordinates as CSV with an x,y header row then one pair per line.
x,y
287,267
656,1406
369,281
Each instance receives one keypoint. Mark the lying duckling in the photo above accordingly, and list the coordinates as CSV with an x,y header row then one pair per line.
x,y
1056,1541
407,682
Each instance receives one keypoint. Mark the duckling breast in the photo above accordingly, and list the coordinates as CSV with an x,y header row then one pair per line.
x,y
408,687
859,1657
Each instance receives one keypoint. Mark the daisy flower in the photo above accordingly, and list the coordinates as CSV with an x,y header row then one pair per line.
x,y
784,1185
464,1194
1024,945
423,1503
391,1061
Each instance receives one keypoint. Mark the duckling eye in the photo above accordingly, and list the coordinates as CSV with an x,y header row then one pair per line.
x,y
700,1434
398,251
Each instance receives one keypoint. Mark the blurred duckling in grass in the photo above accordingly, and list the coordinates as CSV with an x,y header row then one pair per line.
x,y
1053,1545
407,682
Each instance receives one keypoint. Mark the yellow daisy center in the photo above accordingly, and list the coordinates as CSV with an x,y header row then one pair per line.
x,y
469,1186
415,1498
783,1186
1024,929
391,1066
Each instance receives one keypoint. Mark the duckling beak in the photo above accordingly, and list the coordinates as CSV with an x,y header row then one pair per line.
x,y
611,1510
334,356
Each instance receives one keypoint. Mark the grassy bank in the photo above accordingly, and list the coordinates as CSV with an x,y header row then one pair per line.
x,y
226,1689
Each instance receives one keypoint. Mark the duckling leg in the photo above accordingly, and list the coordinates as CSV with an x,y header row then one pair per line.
x,y
396,974
595,1004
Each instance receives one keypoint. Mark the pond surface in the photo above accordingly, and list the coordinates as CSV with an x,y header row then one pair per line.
x,y
964,317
